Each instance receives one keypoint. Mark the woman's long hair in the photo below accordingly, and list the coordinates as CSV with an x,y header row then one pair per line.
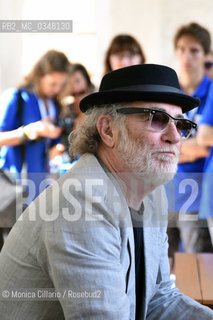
x,y
51,61
119,44
79,67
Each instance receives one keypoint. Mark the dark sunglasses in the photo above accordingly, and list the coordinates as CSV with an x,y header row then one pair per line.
x,y
160,120
208,64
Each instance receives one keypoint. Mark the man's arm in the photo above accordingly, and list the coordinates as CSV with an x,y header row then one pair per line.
x,y
168,303
191,151
84,259
205,135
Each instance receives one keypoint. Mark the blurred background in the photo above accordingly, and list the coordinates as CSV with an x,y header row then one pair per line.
x,y
95,22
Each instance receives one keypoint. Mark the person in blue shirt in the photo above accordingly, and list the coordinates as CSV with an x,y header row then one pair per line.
x,y
28,138
208,64
192,43
205,138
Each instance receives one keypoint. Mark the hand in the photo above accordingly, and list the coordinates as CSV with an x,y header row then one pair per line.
x,y
43,128
56,151
55,155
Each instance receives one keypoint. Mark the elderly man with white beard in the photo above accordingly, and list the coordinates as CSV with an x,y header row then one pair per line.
x,y
97,236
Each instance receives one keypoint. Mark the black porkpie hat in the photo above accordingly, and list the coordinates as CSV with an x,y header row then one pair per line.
x,y
143,82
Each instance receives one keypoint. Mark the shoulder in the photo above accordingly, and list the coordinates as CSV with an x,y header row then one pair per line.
x,y
8,103
210,86
9,95
86,190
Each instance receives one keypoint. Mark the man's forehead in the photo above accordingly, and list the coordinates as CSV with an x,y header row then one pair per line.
x,y
173,110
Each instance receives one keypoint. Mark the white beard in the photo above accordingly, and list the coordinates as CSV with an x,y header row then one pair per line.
x,y
153,167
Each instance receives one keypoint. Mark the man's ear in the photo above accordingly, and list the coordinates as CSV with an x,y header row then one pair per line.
x,y
106,130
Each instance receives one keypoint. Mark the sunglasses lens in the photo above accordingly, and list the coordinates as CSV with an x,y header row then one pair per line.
x,y
159,121
208,64
184,127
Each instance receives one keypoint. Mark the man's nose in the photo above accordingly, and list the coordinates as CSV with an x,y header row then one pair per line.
x,y
171,134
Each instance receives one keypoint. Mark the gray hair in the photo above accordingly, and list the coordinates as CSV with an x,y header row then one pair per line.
x,y
86,138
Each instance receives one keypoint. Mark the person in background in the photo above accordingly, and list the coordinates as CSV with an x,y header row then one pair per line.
x,y
205,139
124,50
208,64
28,134
192,43
78,86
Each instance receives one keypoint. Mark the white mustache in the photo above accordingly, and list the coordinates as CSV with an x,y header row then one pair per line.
x,y
171,149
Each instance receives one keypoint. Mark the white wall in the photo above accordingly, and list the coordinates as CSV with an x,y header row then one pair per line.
x,y
20,51
154,23
95,22
11,47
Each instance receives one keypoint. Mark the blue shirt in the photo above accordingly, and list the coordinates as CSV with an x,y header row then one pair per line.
x,y
206,206
35,152
184,191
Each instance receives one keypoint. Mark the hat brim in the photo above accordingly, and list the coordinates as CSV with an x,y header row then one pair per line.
x,y
107,97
